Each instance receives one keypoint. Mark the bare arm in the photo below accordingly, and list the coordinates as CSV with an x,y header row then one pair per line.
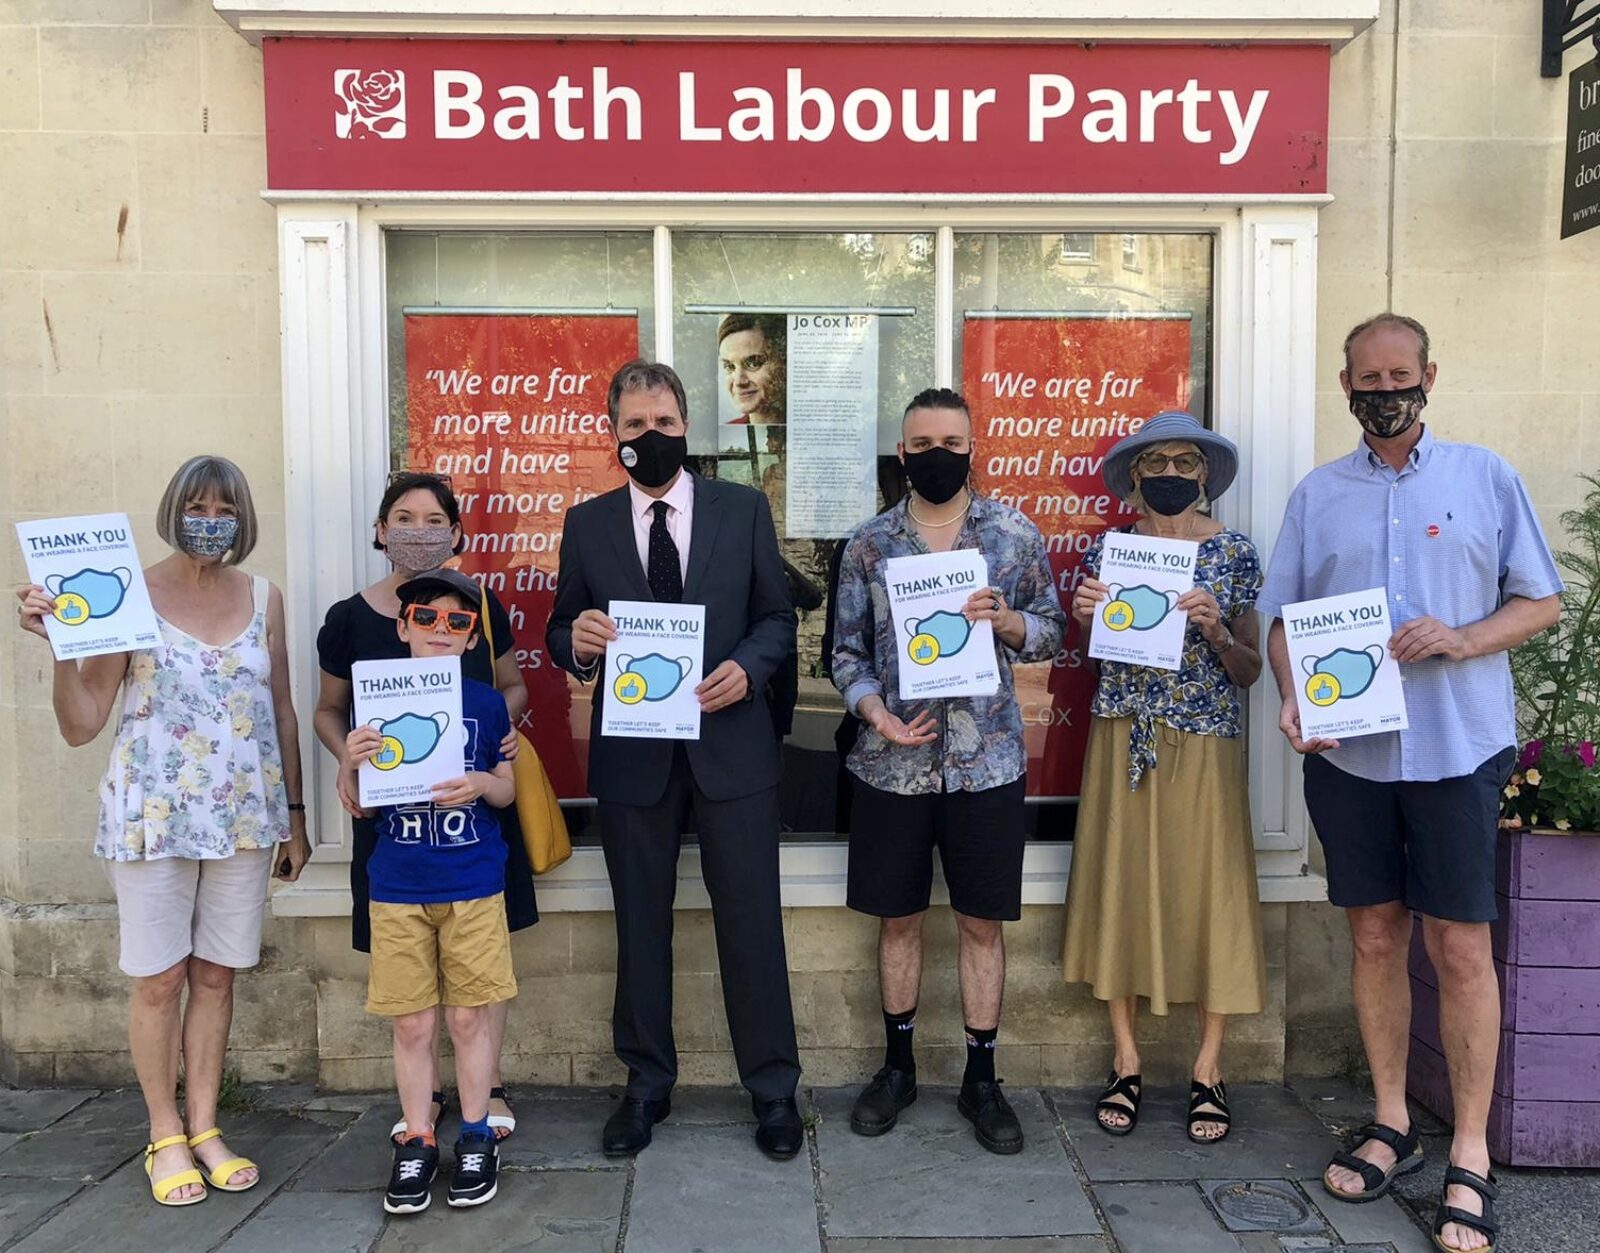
x,y
299,847
1243,660
82,693
509,683
1514,623
331,721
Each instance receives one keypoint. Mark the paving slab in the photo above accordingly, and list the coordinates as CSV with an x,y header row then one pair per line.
x,y
754,1203
715,1107
279,1143
555,1212
929,1177
88,1143
562,1134
24,1202
36,1108
1273,1137
1024,1244
359,1160
1384,1221
1162,1217
329,1222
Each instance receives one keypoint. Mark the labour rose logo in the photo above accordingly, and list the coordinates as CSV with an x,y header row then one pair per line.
x,y
372,103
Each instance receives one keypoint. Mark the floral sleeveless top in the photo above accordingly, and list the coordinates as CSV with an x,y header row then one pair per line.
x,y
196,769
1199,697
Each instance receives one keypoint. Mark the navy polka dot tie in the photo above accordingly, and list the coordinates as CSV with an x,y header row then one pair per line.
x,y
662,569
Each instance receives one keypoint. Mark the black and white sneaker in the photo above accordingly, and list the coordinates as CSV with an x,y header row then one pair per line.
x,y
416,1165
477,1163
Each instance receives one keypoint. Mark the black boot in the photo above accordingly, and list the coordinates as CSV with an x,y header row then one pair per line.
x,y
878,1107
993,1120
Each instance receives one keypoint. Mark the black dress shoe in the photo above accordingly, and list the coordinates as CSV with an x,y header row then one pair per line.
x,y
779,1131
992,1118
628,1129
878,1107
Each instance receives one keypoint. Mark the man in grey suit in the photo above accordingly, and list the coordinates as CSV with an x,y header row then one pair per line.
x,y
672,536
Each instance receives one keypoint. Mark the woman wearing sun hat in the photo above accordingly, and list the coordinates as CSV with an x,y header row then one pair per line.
x,y
1162,898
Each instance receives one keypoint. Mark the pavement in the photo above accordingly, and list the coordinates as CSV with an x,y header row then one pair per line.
x,y
71,1178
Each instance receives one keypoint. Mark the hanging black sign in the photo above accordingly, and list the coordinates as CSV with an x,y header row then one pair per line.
x,y
1580,196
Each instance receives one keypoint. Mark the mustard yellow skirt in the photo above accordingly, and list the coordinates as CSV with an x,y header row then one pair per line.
x,y
1162,900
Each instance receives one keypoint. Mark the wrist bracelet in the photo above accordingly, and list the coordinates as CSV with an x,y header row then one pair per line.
x,y
297,807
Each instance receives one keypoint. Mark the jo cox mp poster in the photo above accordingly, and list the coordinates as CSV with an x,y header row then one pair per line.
x,y
1050,394
513,408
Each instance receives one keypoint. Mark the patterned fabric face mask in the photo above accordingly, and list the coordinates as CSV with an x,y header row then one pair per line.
x,y
207,537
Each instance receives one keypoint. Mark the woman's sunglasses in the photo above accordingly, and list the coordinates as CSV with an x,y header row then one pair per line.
x,y
1154,463
426,618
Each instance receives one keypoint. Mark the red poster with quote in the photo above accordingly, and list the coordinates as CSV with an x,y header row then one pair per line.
x,y
513,408
1050,395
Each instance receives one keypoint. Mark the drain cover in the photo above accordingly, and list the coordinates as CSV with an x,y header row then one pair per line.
x,y
1254,1205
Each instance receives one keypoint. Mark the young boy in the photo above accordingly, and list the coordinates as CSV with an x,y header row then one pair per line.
x,y
438,911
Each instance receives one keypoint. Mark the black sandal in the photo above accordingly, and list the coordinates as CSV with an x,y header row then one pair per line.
x,y
1129,1087
1485,1223
1200,1095
1408,1157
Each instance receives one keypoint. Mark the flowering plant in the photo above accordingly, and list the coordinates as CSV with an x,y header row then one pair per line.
x,y
1557,673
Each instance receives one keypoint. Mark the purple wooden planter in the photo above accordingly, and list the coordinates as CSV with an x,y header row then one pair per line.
x,y
1546,1106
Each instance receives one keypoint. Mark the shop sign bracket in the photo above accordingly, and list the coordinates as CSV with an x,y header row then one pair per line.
x,y
1564,28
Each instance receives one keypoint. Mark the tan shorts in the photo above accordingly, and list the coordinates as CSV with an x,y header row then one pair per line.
x,y
459,948
170,907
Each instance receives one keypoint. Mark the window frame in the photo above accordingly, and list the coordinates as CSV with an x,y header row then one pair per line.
x,y
335,407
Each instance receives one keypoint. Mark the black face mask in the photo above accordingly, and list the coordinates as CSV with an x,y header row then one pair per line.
x,y
654,457
1387,414
1169,494
937,474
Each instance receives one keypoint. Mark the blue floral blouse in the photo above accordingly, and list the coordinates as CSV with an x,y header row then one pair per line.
x,y
1199,697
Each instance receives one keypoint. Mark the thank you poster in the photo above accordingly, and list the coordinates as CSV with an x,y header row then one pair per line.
x,y
652,670
938,651
513,408
1139,622
1346,682
1050,393
415,704
89,564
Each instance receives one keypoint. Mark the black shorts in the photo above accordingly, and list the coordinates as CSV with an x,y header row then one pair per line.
x,y
980,837
521,911
1431,845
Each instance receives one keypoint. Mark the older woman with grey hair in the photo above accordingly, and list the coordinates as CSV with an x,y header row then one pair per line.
x,y
199,806
1162,898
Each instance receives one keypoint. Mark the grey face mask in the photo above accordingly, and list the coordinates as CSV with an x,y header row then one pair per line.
x,y
418,548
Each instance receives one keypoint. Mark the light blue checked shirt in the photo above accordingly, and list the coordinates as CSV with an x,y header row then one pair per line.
x,y
1452,536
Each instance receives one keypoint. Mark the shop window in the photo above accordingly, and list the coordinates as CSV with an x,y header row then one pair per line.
x,y
1057,363
1077,246
1130,252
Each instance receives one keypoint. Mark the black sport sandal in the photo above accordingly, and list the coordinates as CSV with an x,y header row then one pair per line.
x,y
1486,1223
1408,1157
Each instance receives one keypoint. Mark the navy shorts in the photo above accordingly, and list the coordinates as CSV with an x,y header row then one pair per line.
x,y
1431,845
980,837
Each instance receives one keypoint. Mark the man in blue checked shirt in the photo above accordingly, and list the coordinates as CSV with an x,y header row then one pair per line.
x,y
1407,819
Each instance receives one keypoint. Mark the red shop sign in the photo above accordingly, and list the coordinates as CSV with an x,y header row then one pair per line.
x,y
779,118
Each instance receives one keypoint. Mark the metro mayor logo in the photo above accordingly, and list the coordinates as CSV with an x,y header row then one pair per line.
x,y
372,104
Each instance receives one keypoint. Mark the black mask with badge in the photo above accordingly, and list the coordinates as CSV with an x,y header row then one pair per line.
x,y
937,474
1384,415
653,458
1169,494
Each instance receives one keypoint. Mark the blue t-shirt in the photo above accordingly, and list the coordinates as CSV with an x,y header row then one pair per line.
x,y
426,853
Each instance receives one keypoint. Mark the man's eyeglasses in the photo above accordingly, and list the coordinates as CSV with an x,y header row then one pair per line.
x,y
422,476
426,618
1153,463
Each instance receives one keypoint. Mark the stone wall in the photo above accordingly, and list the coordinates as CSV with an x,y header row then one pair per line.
x,y
138,325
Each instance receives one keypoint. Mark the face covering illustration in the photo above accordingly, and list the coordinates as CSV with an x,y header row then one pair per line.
x,y
88,594
1136,608
410,738
652,677
1342,674
941,634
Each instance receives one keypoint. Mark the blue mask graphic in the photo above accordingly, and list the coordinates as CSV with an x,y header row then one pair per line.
x,y
409,738
948,631
1351,670
88,594
1137,607
659,675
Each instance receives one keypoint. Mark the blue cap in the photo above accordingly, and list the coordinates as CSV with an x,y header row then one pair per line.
x,y
1222,457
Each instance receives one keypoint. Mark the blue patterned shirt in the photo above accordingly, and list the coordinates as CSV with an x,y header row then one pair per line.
x,y
980,737
1452,536
1198,697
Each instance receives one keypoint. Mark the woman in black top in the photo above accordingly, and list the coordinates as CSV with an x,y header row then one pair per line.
x,y
419,527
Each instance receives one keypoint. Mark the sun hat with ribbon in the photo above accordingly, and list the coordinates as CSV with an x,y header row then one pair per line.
x,y
1222,456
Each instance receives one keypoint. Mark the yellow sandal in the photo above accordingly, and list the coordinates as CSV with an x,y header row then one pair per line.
x,y
161,1189
223,1171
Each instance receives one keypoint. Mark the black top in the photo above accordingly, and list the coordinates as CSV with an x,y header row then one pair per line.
x,y
355,631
